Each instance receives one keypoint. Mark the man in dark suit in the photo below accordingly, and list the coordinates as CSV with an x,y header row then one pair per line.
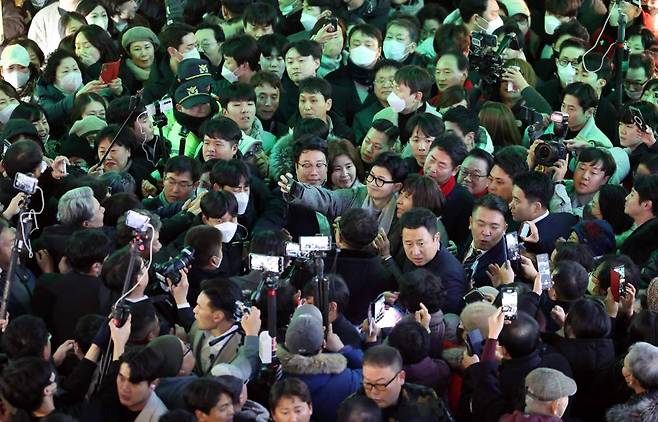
x,y
531,196
422,247
488,227
63,300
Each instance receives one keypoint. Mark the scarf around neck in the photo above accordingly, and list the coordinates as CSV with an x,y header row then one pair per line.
x,y
386,214
139,73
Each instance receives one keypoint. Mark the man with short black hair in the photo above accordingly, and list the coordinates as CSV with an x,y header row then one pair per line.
x,y
413,85
260,19
215,336
384,382
29,385
465,123
508,163
422,247
241,55
66,297
177,42
442,164
359,265
181,178
302,61
290,396
209,400
531,197
221,139
207,244
642,206
594,167
474,172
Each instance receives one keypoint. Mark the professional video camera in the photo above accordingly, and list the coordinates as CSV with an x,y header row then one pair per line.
x,y
486,59
552,147
170,269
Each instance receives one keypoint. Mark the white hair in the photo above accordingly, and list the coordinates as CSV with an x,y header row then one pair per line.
x,y
76,206
642,360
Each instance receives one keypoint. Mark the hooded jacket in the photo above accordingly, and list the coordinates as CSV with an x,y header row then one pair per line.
x,y
328,376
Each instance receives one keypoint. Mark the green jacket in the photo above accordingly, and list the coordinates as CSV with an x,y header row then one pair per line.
x,y
57,104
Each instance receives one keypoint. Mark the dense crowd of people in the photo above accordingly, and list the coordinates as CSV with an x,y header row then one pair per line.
x,y
324,210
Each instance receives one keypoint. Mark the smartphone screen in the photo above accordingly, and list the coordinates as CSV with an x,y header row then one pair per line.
x,y
544,268
512,240
614,284
510,303
525,230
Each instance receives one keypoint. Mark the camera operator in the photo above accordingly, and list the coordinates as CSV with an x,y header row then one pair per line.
x,y
357,262
594,167
27,157
215,335
580,102
422,247
258,209
268,242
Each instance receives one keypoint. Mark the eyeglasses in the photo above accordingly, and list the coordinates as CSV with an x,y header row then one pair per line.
x,y
188,349
378,181
174,182
565,62
471,174
385,81
379,387
308,166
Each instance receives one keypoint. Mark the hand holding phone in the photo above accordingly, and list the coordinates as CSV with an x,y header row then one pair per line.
x,y
110,71
509,302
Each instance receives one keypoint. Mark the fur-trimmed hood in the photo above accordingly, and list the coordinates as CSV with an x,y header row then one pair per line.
x,y
322,363
642,408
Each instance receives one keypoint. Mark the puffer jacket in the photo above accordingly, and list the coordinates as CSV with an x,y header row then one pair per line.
x,y
329,377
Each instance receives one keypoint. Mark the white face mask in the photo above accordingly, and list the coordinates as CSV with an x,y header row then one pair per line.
x,y
228,230
394,50
5,113
550,24
229,75
494,24
396,103
16,79
70,82
38,3
243,201
192,54
308,21
566,74
363,56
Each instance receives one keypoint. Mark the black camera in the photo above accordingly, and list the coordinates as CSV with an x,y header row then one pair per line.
x,y
120,313
486,59
170,268
550,151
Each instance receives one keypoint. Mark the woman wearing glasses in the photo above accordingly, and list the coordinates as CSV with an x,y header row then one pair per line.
x,y
383,183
